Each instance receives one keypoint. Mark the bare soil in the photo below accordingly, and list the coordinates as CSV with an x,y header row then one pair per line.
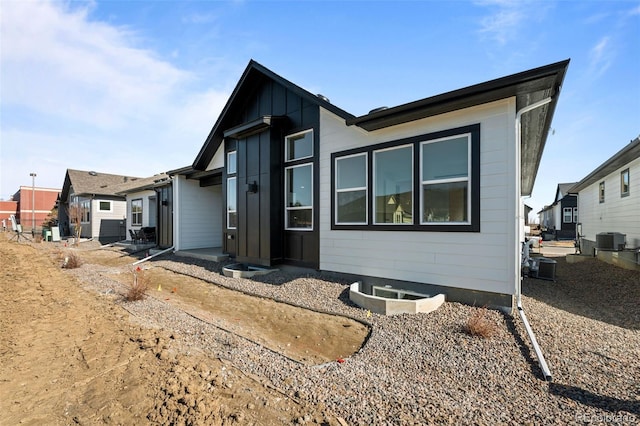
x,y
72,356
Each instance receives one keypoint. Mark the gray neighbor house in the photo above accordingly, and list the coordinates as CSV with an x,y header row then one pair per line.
x,y
93,196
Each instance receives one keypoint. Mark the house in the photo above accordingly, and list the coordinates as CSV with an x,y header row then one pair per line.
x,y
558,220
426,196
142,204
608,201
91,197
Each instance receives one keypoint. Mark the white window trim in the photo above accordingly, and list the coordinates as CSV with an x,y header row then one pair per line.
x,y
141,211
375,195
438,181
235,163
365,188
234,178
575,215
286,146
286,192
567,212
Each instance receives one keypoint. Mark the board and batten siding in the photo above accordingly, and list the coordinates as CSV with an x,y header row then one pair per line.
x,y
617,213
200,214
482,260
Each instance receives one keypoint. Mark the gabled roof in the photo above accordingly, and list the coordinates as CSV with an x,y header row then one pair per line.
x,y
527,87
139,184
93,183
624,156
254,75
563,190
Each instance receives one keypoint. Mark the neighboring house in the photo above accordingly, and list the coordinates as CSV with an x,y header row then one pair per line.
x,y
92,195
609,200
34,205
559,219
142,202
425,196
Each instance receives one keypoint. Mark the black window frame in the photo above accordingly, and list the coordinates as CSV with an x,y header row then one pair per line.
x,y
474,185
601,192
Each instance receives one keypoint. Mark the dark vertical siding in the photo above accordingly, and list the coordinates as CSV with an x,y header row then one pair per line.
x,y
261,237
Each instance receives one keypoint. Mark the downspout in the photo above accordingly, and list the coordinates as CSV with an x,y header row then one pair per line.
x,y
543,364
152,256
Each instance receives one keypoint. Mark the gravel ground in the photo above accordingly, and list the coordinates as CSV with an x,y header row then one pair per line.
x,y
425,369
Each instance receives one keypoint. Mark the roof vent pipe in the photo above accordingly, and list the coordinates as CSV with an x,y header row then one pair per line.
x,y
323,97
382,108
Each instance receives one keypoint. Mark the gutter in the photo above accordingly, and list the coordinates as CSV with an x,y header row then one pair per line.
x,y
541,361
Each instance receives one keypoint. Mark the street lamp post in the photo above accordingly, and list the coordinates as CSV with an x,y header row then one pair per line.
x,y
33,204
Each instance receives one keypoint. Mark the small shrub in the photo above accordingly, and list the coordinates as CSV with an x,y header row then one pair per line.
x,y
71,261
480,324
139,286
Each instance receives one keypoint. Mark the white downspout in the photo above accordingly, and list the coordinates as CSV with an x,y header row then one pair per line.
x,y
152,256
520,237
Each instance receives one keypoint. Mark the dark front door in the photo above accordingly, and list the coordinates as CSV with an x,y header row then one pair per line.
x,y
165,216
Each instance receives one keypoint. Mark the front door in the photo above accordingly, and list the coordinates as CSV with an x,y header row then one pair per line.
x,y
165,216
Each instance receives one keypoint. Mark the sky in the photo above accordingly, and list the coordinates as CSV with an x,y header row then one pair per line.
x,y
134,87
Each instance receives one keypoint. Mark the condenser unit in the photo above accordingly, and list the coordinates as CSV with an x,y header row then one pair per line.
x,y
610,241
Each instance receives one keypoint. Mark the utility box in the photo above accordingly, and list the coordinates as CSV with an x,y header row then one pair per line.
x,y
610,241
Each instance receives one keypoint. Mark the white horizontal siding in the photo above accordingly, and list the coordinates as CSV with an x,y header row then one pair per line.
x,y
617,213
118,211
146,210
199,219
479,261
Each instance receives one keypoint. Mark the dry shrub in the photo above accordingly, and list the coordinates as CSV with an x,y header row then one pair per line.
x,y
71,261
139,286
480,324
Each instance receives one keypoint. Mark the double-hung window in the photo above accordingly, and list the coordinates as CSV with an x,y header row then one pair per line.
x,y
445,176
429,182
601,192
136,212
351,189
567,215
299,181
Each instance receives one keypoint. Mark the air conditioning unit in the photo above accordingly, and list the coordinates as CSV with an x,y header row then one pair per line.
x,y
610,241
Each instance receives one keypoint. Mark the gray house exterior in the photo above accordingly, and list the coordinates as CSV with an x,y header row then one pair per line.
x,y
426,196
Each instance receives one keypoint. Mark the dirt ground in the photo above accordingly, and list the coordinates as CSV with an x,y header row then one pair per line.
x,y
71,356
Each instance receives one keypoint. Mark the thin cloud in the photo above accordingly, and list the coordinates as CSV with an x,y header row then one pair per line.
x,y
508,18
600,57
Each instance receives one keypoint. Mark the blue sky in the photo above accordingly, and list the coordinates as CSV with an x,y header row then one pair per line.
x,y
134,87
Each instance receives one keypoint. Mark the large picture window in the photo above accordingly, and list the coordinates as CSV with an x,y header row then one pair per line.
x,y
445,165
429,182
351,189
393,185
136,212
299,197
